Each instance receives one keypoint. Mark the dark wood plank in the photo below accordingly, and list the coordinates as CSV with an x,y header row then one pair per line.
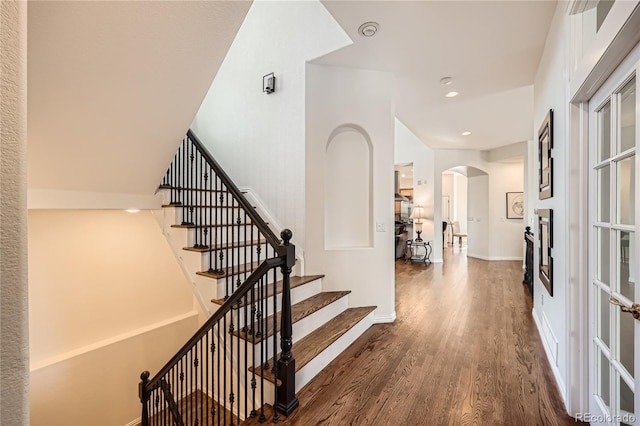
x,y
204,410
216,225
464,350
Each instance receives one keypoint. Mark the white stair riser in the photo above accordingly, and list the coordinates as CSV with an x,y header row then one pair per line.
x,y
190,198
309,371
230,256
205,215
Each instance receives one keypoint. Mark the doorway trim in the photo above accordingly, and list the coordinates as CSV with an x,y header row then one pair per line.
x,y
577,173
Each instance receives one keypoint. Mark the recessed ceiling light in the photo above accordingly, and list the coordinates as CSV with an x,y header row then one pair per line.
x,y
451,94
466,133
368,29
445,81
132,210
403,175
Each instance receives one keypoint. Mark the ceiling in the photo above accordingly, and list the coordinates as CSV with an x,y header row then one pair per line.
x,y
491,50
109,99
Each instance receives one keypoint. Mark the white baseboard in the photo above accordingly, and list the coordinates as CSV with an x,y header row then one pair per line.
x,y
384,319
550,357
134,422
494,258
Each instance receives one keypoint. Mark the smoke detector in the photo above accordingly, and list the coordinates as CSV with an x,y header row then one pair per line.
x,y
368,29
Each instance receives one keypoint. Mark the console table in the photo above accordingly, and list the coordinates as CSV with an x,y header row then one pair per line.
x,y
414,247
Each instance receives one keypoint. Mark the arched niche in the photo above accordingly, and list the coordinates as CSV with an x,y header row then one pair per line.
x,y
348,188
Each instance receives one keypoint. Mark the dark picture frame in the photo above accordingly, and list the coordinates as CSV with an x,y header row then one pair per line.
x,y
545,241
515,205
545,161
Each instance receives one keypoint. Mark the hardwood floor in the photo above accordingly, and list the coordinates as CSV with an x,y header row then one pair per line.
x,y
463,351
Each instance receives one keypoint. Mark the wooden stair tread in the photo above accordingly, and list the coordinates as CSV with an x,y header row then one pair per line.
x,y
217,225
230,271
295,281
314,343
299,311
200,405
223,246
203,206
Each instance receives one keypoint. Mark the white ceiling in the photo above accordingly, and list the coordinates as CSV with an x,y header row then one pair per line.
x,y
491,49
113,87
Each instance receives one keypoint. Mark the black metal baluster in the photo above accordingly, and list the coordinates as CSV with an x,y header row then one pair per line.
x,y
220,375
196,195
184,194
238,396
229,280
260,335
247,336
203,390
253,353
189,394
276,417
223,349
175,166
206,377
211,229
191,184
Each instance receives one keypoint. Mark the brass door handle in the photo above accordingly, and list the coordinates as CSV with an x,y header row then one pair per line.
x,y
633,310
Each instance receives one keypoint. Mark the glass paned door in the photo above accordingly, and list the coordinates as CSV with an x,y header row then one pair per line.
x,y
613,215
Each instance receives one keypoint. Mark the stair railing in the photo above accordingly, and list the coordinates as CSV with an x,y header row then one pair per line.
x,y
220,374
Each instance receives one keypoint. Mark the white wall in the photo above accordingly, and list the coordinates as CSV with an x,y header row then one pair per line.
x,y
507,177
258,138
478,202
550,92
409,149
107,300
359,99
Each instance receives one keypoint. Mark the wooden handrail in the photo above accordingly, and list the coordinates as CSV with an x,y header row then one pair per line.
x,y
235,297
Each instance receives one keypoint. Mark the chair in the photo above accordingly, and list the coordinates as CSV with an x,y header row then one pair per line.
x,y
457,233
444,231
401,243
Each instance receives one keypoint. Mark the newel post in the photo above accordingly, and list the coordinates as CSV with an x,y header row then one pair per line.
x,y
143,393
286,398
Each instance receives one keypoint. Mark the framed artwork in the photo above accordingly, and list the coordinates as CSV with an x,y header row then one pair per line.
x,y
515,205
545,144
545,241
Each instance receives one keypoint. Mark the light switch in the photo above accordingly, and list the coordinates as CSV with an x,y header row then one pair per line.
x,y
380,227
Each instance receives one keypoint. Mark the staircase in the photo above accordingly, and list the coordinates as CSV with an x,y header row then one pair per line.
x,y
271,329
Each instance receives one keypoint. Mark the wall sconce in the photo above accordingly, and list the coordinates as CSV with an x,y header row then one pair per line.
x,y
269,83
